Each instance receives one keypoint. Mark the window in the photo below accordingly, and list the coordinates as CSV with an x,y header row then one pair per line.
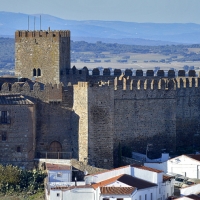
x,y
145,196
38,72
5,117
58,194
34,72
140,198
151,196
59,174
18,149
4,136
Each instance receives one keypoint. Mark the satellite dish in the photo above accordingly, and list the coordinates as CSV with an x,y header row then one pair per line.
x,y
85,172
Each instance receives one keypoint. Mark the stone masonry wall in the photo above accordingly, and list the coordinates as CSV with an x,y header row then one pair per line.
x,y
101,121
80,122
20,132
45,50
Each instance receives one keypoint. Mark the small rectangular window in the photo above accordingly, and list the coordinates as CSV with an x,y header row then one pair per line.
x,y
58,194
4,117
151,196
140,198
145,196
4,136
18,149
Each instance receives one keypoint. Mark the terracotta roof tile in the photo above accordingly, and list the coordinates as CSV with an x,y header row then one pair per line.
x,y
50,166
127,179
146,168
167,177
106,182
117,190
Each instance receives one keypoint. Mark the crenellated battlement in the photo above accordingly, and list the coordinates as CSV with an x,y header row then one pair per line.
x,y
47,93
127,83
106,72
42,33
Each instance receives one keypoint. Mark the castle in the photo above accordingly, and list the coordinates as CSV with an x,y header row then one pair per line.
x,y
53,111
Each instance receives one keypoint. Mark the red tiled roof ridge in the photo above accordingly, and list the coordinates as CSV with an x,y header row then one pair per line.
x,y
117,190
106,182
146,168
52,166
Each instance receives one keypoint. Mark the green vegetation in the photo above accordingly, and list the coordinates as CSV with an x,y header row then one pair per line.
x,y
14,181
103,52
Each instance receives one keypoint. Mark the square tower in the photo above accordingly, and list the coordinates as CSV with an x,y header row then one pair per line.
x,y
42,55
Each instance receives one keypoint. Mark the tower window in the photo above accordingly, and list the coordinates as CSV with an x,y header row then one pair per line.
x,y
18,149
34,72
4,136
5,117
38,72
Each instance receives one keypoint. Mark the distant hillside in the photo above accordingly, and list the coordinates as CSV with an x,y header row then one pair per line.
x,y
105,31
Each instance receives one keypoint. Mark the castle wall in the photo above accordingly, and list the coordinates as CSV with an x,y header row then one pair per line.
x,y
145,117
188,113
47,51
20,132
80,122
101,121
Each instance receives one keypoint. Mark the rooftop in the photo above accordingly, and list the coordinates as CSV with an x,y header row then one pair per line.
x,y
50,166
128,180
117,190
14,99
146,168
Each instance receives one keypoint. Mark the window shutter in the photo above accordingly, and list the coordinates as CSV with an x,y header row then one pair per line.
x,y
8,117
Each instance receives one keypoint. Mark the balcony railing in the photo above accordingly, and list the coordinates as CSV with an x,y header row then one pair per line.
x,y
54,155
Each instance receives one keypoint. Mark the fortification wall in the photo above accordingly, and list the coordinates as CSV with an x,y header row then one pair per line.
x,y
74,75
101,121
145,113
42,55
80,120
187,113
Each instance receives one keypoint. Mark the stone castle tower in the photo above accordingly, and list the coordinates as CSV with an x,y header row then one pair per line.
x,y
43,56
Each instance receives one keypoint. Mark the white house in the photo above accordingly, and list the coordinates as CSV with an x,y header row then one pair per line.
x,y
132,182
186,165
59,173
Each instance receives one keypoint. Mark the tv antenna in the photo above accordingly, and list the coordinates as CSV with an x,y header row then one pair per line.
x,y
34,23
28,23
40,22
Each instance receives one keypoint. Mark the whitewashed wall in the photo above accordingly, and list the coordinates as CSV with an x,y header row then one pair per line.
x,y
159,166
147,175
66,176
185,166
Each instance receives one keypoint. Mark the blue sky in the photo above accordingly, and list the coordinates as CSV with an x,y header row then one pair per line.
x,y
158,11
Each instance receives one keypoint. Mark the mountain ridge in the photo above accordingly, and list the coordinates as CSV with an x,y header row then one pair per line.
x,y
96,30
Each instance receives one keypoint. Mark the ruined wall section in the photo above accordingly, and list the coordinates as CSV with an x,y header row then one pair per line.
x,y
47,51
101,122
20,133
145,112
188,113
